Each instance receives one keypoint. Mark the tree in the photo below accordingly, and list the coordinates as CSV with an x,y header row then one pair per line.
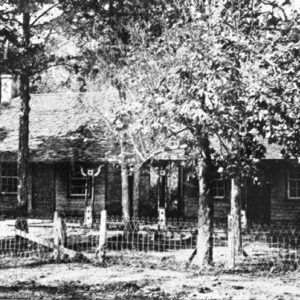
x,y
103,33
26,28
196,78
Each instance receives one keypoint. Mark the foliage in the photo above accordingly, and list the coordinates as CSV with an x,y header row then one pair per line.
x,y
214,75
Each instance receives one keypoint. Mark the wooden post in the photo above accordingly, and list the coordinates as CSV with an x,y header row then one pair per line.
x,y
59,235
243,219
89,209
100,251
162,218
161,200
88,217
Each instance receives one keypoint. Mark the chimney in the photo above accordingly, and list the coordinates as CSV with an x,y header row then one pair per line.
x,y
7,83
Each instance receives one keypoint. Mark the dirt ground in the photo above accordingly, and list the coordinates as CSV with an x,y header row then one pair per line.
x,y
140,277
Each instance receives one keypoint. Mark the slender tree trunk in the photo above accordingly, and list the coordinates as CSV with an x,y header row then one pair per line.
x,y
125,190
23,149
125,196
204,250
180,192
234,222
136,193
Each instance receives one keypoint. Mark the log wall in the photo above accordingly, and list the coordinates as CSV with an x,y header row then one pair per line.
x,y
263,203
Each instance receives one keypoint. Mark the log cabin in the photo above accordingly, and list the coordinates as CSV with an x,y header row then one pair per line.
x,y
64,141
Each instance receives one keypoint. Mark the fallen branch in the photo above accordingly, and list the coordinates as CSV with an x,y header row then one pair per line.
x,y
49,244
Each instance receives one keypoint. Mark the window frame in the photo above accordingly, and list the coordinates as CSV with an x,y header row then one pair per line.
x,y
8,177
224,188
86,180
289,197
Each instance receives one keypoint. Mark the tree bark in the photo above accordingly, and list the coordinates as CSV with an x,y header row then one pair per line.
x,y
23,148
125,189
180,192
234,222
125,195
136,193
204,250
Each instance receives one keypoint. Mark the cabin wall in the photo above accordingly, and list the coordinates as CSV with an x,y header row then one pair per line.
x,y
146,205
113,203
43,189
76,204
8,202
191,201
282,208
264,203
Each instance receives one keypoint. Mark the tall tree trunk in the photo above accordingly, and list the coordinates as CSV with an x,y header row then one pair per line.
x,y
23,149
204,250
125,194
234,222
125,190
136,193
180,192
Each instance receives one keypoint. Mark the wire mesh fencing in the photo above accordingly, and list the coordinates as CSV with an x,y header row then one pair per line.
x,y
263,246
268,246
16,237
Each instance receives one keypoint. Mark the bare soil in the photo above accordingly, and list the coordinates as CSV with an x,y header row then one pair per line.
x,y
141,276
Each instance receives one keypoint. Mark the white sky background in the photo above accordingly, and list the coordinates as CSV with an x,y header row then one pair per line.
x,y
296,4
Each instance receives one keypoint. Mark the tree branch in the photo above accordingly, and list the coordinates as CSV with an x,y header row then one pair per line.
x,y
42,14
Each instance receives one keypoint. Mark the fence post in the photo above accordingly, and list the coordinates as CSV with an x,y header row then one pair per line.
x,y
243,219
162,219
88,217
59,234
100,251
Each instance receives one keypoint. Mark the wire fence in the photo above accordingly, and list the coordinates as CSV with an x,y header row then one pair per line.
x,y
264,246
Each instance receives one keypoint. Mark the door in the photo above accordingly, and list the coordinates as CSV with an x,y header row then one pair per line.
x,y
258,203
43,190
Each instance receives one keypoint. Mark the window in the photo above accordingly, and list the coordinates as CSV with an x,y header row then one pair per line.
x,y
78,182
294,184
9,178
218,189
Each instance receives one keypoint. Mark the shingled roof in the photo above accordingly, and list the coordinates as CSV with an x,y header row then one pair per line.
x,y
62,127
67,127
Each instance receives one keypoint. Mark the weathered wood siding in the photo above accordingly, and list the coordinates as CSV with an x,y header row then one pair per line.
x,y
282,208
146,204
113,203
191,197
8,202
269,202
258,202
191,200
43,190
76,204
